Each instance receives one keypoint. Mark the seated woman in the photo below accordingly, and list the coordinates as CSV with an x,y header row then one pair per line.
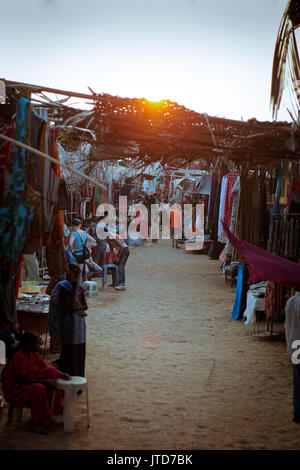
x,y
28,382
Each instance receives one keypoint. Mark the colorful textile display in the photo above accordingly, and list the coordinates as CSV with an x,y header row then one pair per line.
x,y
285,236
16,214
275,300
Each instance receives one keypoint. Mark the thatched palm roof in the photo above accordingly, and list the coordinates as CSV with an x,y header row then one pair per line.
x,y
146,132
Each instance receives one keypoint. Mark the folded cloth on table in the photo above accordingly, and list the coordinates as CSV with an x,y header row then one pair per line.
x,y
259,293
258,289
258,285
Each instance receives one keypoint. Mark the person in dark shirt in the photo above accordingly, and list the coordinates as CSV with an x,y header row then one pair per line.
x,y
114,241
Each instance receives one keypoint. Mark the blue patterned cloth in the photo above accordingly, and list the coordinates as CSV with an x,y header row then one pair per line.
x,y
16,214
238,293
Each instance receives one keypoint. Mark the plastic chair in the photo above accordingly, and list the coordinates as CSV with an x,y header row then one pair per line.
x,y
91,287
114,268
71,389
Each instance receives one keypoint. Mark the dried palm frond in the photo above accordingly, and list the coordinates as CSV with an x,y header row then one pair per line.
x,y
78,128
63,100
286,57
74,120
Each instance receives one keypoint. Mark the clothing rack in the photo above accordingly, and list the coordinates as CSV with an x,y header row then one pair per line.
x,y
284,215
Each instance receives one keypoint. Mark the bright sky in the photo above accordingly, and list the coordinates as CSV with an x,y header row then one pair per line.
x,y
211,56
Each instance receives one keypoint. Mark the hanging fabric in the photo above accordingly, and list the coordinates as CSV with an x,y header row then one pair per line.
x,y
222,204
235,193
16,214
276,208
50,180
64,196
238,293
5,150
264,266
226,203
33,192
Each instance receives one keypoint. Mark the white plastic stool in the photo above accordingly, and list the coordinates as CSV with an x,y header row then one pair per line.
x,y
70,388
91,287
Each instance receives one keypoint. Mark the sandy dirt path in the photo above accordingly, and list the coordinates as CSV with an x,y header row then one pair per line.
x,y
168,369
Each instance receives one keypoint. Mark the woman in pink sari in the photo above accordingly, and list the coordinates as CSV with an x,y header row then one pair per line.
x,y
28,382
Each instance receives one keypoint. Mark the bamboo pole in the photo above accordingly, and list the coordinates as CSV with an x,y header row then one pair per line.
x,y
53,160
39,88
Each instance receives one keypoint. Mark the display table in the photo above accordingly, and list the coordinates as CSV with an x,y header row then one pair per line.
x,y
32,308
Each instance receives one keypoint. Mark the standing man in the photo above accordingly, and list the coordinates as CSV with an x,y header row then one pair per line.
x,y
292,332
176,225
114,241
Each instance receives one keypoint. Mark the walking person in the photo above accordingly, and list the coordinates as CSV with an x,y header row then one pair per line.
x,y
176,226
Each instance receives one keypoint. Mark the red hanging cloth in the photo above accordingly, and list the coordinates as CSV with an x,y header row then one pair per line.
x,y
265,266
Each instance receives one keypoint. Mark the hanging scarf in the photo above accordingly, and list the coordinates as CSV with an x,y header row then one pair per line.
x,y
16,214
